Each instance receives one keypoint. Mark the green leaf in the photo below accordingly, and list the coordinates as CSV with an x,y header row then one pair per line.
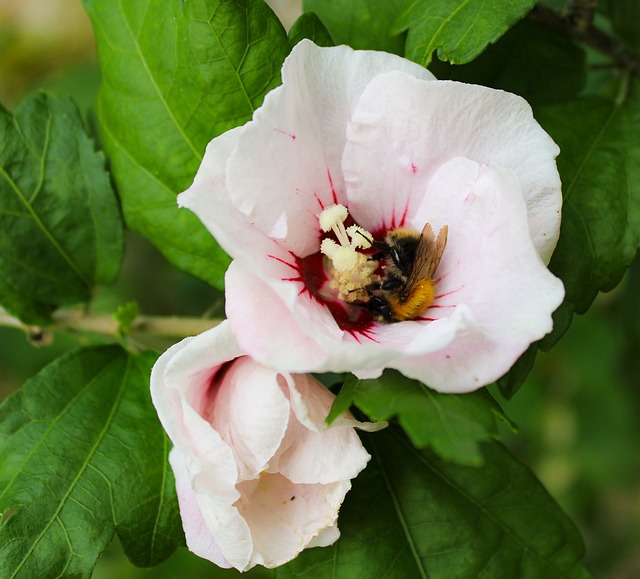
x,y
362,24
176,74
510,383
410,514
599,164
82,456
459,29
60,227
531,60
625,15
309,26
453,425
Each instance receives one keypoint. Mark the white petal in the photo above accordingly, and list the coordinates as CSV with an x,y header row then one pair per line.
x,y
311,403
493,285
286,168
180,387
199,538
209,199
312,452
251,414
180,391
326,537
265,325
403,129
227,525
285,517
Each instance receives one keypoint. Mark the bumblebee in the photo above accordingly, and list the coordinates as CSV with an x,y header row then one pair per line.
x,y
408,286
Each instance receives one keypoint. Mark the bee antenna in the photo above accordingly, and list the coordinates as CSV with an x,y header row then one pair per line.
x,y
369,239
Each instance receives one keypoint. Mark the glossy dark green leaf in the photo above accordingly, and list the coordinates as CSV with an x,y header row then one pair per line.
x,y
535,61
510,383
453,425
176,74
82,455
599,165
411,514
458,29
309,26
362,24
60,227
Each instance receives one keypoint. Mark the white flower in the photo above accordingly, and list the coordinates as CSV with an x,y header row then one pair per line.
x,y
397,148
259,474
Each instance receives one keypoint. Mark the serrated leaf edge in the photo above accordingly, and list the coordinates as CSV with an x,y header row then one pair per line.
x,y
86,464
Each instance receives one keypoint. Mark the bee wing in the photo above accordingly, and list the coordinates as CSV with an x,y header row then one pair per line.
x,y
428,254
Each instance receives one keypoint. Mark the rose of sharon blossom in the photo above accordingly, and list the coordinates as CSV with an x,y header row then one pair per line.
x,y
259,474
381,137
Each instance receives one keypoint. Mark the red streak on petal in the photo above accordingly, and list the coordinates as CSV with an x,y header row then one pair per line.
x,y
303,289
361,325
319,201
293,137
291,265
414,169
311,275
333,190
367,333
394,222
447,293
404,215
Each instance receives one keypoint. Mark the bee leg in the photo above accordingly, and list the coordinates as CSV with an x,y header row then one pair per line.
x,y
372,287
391,283
378,306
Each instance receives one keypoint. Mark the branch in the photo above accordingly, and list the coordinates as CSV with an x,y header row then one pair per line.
x,y
80,321
580,28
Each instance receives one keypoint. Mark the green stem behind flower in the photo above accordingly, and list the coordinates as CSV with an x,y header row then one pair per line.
x,y
83,321
583,30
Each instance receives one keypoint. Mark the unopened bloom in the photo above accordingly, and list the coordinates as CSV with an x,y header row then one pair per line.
x,y
259,474
379,136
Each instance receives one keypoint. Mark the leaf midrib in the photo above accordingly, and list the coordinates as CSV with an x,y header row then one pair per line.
x,y
28,204
90,454
472,500
152,79
398,509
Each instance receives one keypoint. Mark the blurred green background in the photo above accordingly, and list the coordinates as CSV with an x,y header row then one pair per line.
x,y
578,411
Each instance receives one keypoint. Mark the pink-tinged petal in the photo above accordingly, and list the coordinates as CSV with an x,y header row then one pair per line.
x,y
250,412
257,314
181,392
230,530
312,452
310,400
198,536
309,457
326,537
287,166
302,513
180,386
311,403
209,199
403,129
492,283
308,337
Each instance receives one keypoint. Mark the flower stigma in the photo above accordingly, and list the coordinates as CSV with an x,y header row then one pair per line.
x,y
352,272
